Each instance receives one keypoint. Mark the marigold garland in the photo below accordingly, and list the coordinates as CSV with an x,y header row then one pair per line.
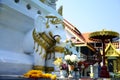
x,y
39,74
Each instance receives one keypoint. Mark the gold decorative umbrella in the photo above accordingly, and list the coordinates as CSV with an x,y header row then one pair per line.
x,y
103,36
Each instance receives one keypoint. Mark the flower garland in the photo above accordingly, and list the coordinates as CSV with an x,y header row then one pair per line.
x,y
39,74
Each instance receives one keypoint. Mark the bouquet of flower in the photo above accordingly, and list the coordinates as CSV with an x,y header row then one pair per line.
x,y
60,63
63,66
71,59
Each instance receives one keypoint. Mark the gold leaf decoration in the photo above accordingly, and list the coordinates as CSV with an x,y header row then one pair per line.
x,y
59,49
40,51
47,23
37,39
47,39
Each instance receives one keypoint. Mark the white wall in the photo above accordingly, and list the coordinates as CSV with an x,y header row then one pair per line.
x,y
10,39
12,58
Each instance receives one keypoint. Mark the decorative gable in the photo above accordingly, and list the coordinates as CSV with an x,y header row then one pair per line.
x,y
111,51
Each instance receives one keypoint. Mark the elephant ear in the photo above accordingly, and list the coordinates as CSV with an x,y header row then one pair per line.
x,y
60,10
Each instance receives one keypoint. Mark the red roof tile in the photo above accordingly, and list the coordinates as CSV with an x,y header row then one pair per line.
x,y
86,36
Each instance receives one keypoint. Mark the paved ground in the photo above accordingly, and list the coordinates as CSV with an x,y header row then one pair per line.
x,y
19,77
86,79
100,79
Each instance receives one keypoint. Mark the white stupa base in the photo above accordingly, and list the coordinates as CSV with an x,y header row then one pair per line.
x,y
14,63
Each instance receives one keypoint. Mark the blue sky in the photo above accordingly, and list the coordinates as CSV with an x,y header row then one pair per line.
x,y
92,15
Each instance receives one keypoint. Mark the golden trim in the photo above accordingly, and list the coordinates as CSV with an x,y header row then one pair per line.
x,y
59,49
42,1
111,51
43,68
47,23
87,45
39,40
42,38
52,16
99,35
53,20
56,21
56,49
49,69
49,40
114,65
36,67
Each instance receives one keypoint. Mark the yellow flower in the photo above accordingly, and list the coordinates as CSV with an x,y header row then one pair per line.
x,y
48,75
43,75
38,74
53,77
26,75
58,61
33,74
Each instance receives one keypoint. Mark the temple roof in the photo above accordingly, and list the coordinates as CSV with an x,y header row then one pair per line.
x,y
116,44
74,31
86,36
111,51
78,39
